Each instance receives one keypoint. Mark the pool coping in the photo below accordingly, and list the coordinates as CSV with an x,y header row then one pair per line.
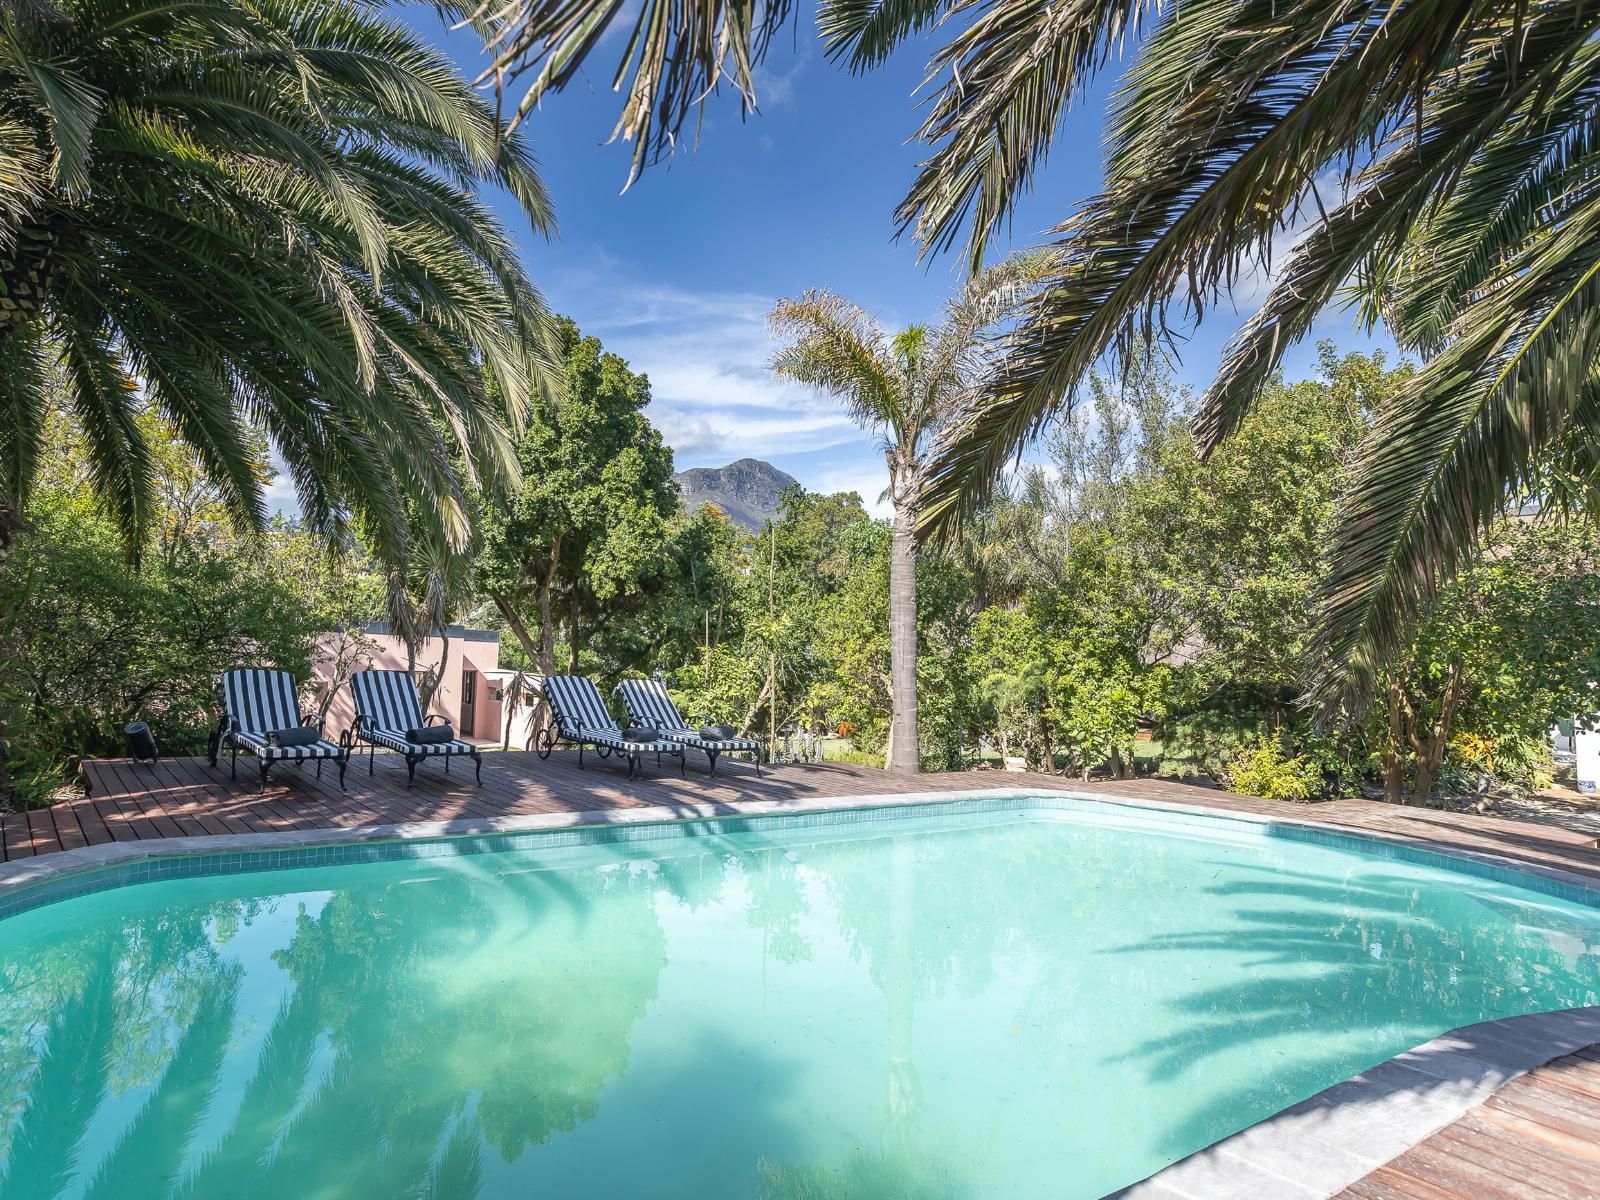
x,y
1308,1151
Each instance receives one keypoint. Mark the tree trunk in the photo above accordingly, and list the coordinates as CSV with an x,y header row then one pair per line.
x,y
572,632
1430,747
541,714
545,663
432,685
755,710
1394,761
517,625
905,755
27,267
1423,788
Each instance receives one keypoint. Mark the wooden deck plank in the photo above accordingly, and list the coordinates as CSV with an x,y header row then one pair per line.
x,y
197,798
1390,1183
15,840
1485,1152
1471,1174
1533,1139
69,834
125,799
42,830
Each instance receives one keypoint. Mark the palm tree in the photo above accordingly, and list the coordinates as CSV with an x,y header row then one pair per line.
x,y
259,215
905,387
424,596
1445,148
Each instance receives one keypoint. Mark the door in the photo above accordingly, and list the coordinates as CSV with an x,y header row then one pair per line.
x,y
469,700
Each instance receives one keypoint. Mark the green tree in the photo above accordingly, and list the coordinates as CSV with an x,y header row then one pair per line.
x,y
105,642
586,532
696,611
1237,541
1508,650
905,387
1011,669
800,566
1440,146
258,217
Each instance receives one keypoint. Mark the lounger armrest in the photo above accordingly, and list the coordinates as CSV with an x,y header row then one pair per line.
x,y
311,719
432,717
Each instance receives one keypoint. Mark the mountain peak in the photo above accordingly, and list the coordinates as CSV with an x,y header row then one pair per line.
x,y
747,490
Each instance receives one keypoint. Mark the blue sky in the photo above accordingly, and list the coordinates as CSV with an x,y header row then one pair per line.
x,y
677,275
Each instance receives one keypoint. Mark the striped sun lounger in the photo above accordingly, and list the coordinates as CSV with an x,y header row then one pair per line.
x,y
581,719
257,704
387,708
648,703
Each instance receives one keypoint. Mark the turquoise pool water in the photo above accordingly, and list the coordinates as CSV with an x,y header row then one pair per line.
x,y
995,1004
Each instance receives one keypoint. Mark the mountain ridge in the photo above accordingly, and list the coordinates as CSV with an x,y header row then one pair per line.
x,y
747,490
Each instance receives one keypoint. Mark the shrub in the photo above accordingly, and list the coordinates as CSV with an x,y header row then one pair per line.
x,y
1206,741
97,644
1518,763
1264,770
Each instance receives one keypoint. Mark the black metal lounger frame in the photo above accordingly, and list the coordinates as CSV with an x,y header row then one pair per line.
x,y
355,734
571,733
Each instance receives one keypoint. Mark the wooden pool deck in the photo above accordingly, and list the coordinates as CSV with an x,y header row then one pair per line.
x,y
1538,1138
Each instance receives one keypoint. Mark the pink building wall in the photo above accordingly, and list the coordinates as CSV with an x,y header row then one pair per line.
x,y
472,663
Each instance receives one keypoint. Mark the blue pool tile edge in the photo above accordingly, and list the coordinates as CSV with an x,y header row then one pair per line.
x,y
30,883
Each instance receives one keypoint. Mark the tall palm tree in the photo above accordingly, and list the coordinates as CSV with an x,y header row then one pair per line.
x,y
906,387
262,214
1446,150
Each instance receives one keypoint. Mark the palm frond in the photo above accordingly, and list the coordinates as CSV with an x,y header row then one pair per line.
x,y
674,56
282,231
1455,446
68,102
25,382
1005,83
1390,204
863,33
105,401
839,348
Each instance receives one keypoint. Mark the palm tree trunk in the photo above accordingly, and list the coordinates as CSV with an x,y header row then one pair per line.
x,y
905,756
27,267
11,526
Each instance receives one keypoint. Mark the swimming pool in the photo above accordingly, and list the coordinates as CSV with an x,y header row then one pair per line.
x,y
991,998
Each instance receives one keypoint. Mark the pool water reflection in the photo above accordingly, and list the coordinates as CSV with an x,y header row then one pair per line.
x,y
988,1005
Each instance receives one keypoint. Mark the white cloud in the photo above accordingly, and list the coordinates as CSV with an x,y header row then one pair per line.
x,y
775,86
868,482
707,355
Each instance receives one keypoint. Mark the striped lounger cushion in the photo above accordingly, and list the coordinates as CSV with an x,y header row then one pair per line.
x,y
581,715
387,703
260,702
648,703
